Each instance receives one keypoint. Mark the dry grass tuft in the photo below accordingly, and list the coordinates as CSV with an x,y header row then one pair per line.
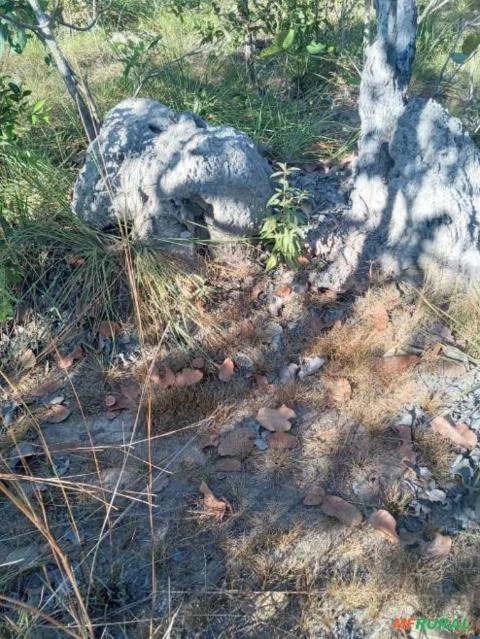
x,y
457,307
355,350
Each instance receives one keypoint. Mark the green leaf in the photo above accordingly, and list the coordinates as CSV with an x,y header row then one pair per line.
x,y
19,40
271,262
316,47
273,49
470,44
38,106
289,39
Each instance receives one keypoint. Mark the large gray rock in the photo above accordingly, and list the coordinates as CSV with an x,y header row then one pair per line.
x,y
416,198
167,175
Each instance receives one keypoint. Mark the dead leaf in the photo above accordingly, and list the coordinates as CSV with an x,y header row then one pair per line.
x,y
117,402
109,329
283,291
439,547
380,319
276,419
244,328
225,372
67,361
385,524
397,363
434,494
208,440
213,506
109,400
188,377
198,362
263,384
257,290
314,495
74,261
325,298
27,359
303,260
451,370
337,507
281,441
48,387
338,390
228,465
53,414
237,442
164,380
131,391
459,434
406,448
432,352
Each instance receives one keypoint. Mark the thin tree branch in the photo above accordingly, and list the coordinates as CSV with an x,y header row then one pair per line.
x,y
19,24
88,27
431,8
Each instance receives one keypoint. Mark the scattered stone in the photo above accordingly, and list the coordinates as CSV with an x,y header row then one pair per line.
x,y
435,494
53,414
226,370
459,434
244,362
7,413
283,291
190,455
385,524
346,513
288,373
24,558
439,547
276,419
451,370
397,363
238,442
27,360
263,384
228,465
314,496
380,319
260,443
61,464
268,332
198,362
311,366
188,377
117,478
281,441
20,453
167,173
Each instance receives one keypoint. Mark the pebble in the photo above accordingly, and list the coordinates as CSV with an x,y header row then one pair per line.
x,y
260,443
22,451
287,374
311,366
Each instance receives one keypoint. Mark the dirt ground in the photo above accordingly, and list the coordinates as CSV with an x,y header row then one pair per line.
x,y
184,509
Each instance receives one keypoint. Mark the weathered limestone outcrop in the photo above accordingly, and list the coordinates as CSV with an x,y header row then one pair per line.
x,y
416,197
171,176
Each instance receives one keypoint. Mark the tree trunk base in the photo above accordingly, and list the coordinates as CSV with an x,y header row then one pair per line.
x,y
420,216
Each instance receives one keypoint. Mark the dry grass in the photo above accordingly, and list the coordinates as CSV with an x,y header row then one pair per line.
x,y
272,566
355,350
